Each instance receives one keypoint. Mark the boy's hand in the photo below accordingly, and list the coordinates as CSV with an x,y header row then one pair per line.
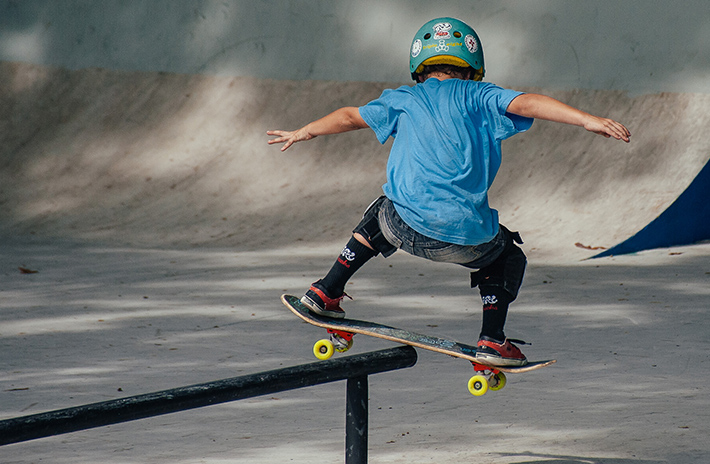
x,y
341,120
288,138
607,128
533,105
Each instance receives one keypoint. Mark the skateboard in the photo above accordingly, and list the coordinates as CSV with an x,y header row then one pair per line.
x,y
486,377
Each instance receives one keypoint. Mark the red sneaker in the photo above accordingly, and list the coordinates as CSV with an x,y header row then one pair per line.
x,y
503,354
318,302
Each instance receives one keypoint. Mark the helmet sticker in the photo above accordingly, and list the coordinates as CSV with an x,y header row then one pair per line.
x,y
442,46
441,31
471,43
416,48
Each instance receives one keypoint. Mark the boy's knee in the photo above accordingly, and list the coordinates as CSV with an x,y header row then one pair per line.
x,y
369,233
361,239
506,272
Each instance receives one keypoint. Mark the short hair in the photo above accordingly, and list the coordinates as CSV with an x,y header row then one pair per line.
x,y
453,71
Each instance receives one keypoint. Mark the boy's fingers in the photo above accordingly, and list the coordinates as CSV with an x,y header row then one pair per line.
x,y
621,132
615,129
281,137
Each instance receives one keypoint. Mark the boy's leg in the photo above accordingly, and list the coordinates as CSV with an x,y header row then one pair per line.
x,y
501,267
325,295
353,257
499,284
495,310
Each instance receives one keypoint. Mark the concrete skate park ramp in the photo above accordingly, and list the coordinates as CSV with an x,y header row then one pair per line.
x,y
686,221
174,160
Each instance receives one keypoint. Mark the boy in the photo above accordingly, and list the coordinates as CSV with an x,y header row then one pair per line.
x,y
447,132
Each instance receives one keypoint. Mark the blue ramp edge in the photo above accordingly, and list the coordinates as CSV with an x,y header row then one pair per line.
x,y
686,221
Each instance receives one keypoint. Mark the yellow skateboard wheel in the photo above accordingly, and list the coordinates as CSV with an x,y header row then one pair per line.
x,y
323,349
478,385
500,381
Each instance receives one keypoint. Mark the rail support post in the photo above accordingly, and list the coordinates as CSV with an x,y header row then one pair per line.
x,y
356,419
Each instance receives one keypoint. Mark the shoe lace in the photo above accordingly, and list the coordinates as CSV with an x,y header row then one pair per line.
x,y
518,342
336,301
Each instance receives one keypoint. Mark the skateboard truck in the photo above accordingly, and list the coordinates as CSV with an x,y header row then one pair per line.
x,y
339,341
486,378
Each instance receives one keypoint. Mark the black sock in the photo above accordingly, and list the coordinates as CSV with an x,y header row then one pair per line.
x,y
495,309
353,256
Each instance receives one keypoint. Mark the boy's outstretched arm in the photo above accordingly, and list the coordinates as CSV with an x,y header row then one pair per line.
x,y
342,120
533,105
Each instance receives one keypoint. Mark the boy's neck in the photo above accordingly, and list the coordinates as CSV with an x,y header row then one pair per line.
x,y
439,75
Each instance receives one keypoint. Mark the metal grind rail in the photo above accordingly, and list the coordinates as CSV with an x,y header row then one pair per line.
x,y
354,369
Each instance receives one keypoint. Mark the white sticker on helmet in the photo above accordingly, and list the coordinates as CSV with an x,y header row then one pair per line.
x,y
442,47
471,43
416,48
441,31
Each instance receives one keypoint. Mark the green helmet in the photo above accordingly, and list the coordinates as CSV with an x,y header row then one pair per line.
x,y
446,41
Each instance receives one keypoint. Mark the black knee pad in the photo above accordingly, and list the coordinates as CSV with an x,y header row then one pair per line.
x,y
369,227
506,272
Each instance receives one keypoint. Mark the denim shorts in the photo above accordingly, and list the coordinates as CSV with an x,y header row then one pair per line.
x,y
399,234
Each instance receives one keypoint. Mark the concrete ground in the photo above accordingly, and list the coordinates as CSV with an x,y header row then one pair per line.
x,y
98,322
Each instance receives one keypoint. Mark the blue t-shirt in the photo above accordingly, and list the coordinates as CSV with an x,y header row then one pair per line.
x,y
445,155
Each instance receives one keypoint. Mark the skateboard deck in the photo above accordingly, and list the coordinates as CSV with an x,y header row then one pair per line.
x,y
427,342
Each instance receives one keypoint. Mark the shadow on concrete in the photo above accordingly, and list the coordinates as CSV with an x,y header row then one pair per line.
x,y
102,322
